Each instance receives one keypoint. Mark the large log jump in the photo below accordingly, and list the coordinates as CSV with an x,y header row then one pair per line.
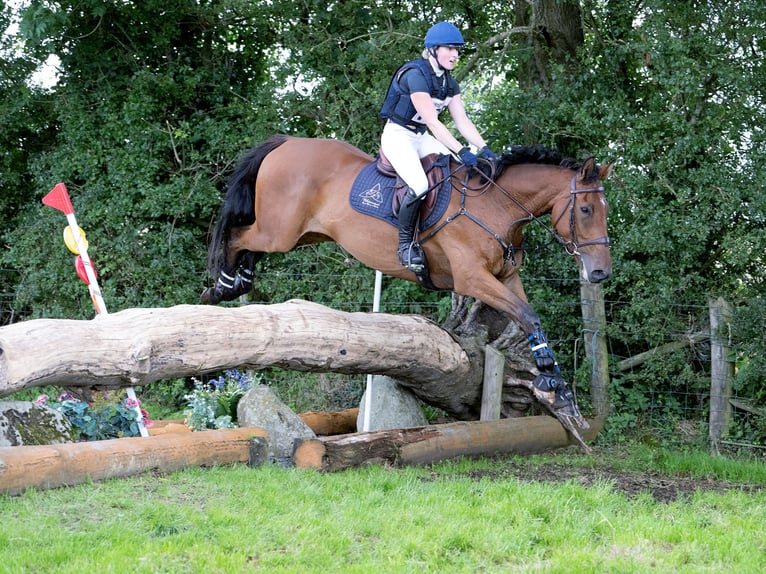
x,y
140,346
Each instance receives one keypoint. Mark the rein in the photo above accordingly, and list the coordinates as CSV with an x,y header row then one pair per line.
x,y
508,250
572,246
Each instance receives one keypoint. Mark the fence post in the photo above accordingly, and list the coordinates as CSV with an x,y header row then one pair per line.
x,y
594,332
492,389
721,370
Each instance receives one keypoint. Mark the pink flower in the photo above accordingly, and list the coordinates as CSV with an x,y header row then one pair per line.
x,y
41,399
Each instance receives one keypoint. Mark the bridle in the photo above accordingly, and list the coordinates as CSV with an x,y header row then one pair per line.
x,y
572,246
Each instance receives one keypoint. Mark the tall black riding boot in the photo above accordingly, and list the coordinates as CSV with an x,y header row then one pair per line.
x,y
410,253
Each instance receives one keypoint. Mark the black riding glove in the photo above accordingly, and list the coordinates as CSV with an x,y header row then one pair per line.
x,y
468,157
486,153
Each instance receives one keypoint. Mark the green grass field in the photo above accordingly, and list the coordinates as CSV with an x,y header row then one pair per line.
x,y
628,510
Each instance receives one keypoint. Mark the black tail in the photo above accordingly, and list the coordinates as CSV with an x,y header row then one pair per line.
x,y
238,207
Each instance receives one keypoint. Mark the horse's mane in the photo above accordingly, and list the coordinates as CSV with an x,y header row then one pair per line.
x,y
538,154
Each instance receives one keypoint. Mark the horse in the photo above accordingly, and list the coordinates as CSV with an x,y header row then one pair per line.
x,y
290,191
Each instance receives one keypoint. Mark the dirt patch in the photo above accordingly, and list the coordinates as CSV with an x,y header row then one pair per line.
x,y
662,487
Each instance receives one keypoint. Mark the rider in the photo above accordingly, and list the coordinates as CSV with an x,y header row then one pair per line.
x,y
419,92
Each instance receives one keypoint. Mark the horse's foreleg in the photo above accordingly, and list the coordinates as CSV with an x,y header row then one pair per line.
x,y
549,386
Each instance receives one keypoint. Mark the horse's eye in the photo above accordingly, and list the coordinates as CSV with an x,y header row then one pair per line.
x,y
586,210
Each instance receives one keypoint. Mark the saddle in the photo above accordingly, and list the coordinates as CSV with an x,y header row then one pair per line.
x,y
434,176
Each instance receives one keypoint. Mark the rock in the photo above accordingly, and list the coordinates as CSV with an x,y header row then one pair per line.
x,y
393,406
26,423
260,407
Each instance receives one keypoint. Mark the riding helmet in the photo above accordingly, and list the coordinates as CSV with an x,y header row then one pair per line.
x,y
443,34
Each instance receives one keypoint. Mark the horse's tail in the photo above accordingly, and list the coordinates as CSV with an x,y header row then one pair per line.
x,y
238,208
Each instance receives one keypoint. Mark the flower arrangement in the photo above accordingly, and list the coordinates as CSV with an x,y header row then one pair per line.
x,y
99,420
213,405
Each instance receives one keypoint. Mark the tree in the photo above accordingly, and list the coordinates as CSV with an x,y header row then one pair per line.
x,y
26,129
150,112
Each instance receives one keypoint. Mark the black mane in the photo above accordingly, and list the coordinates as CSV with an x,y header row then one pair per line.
x,y
518,154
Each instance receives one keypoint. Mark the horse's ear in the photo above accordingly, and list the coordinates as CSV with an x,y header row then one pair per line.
x,y
588,168
605,171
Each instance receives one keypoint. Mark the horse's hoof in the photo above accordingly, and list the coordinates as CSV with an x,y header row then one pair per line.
x,y
210,296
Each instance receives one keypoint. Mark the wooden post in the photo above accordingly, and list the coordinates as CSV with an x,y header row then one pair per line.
x,y
721,370
492,389
594,331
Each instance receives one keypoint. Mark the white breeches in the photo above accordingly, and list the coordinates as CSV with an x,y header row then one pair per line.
x,y
404,149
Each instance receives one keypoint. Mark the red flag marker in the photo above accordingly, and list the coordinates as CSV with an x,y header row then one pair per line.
x,y
58,198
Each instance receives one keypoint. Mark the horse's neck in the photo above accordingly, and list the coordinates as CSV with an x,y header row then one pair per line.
x,y
535,186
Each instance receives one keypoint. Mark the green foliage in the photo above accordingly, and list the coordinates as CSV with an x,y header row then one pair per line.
x,y
213,404
201,407
151,113
316,391
165,398
100,420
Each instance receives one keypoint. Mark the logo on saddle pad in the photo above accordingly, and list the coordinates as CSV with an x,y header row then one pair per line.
x,y
374,193
373,197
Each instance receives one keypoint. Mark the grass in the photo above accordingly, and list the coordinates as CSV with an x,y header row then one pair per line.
x,y
441,518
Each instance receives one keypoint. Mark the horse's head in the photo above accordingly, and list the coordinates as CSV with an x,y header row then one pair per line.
x,y
579,219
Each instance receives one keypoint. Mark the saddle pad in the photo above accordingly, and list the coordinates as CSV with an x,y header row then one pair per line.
x,y
373,194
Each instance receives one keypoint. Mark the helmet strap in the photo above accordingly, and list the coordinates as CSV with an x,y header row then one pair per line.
x,y
432,53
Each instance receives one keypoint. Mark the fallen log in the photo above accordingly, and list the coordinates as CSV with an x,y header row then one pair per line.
x,y
424,445
168,426
52,466
135,347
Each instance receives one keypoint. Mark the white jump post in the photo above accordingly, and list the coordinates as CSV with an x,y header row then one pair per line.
x,y
368,392
58,198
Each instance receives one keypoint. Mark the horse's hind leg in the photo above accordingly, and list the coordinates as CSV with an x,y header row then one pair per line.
x,y
235,281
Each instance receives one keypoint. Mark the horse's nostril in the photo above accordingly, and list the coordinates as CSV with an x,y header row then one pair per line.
x,y
598,275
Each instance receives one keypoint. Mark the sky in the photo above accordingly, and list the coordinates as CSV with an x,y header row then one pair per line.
x,y
46,75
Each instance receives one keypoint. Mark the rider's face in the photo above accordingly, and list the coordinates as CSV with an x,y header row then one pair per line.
x,y
447,56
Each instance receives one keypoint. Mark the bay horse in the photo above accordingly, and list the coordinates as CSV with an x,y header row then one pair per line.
x,y
291,191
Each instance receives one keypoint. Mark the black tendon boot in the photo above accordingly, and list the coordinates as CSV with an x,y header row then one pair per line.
x,y
410,253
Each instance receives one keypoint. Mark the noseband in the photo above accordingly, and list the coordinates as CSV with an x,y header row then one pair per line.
x,y
572,246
